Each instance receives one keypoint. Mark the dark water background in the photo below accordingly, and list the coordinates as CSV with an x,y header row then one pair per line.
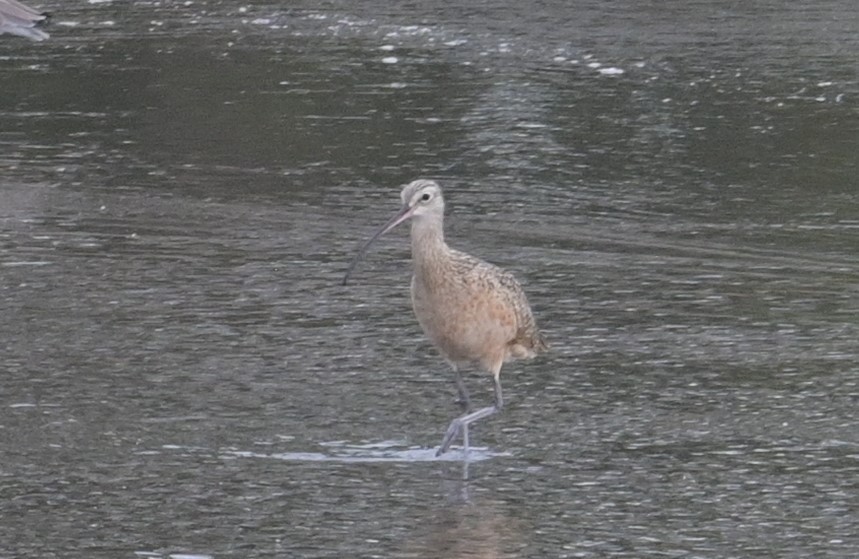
x,y
182,185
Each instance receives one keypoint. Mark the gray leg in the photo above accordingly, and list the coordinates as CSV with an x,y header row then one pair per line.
x,y
461,423
464,399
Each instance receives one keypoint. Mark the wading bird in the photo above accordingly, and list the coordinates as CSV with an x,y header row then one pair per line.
x,y
472,312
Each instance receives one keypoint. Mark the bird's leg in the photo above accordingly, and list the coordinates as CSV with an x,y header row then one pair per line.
x,y
461,423
464,399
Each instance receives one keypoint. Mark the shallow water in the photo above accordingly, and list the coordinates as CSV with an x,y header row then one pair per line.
x,y
184,185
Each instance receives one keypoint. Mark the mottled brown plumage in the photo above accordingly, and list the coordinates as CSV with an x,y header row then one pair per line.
x,y
472,311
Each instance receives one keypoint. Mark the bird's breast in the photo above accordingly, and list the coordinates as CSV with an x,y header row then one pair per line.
x,y
465,322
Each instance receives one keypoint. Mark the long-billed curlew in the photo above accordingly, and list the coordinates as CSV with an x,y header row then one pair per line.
x,y
472,311
18,19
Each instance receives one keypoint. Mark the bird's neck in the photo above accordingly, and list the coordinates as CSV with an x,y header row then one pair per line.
x,y
428,246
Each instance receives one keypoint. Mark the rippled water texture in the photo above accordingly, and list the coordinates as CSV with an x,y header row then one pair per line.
x,y
184,183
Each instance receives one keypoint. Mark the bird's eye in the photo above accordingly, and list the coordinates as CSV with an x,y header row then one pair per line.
x,y
426,197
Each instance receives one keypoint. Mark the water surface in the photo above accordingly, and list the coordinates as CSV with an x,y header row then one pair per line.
x,y
184,185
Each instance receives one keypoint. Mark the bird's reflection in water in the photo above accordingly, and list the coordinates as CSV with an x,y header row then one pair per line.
x,y
475,528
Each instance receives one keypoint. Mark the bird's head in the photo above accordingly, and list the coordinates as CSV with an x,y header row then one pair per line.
x,y
421,199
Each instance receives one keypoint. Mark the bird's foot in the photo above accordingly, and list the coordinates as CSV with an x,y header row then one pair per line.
x,y
460,425
452,431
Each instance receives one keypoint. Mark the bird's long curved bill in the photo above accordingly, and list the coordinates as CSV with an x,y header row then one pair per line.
x,y
401,216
